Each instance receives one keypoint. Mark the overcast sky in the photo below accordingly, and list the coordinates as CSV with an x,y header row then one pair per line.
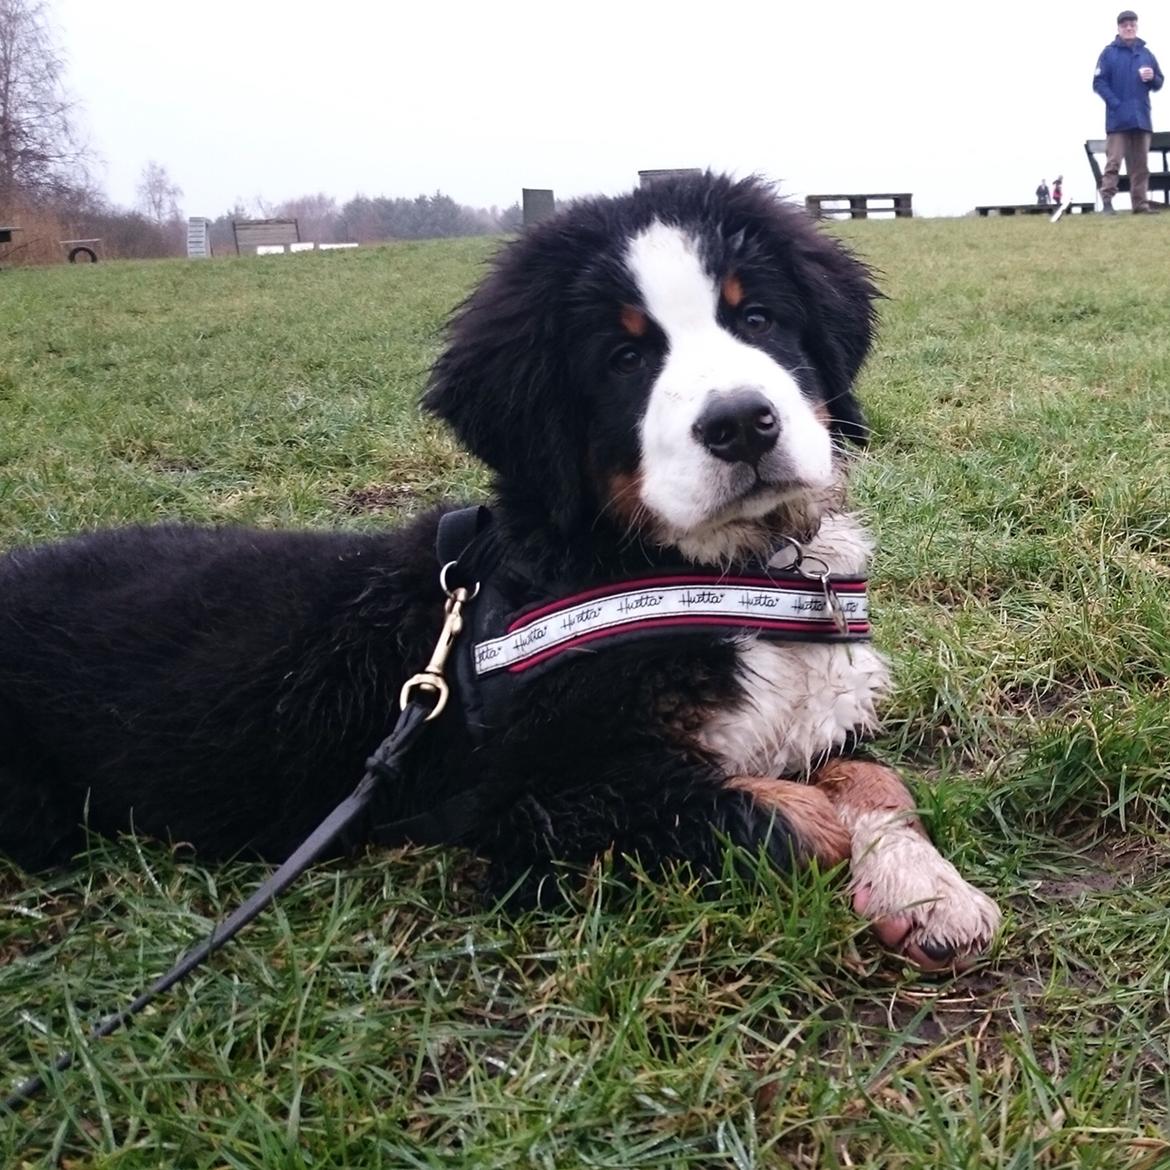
x,y
960,104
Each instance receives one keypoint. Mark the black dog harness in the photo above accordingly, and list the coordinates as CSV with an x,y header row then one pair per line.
x,y
510,647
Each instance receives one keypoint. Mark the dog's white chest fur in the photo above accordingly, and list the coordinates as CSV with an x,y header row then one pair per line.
x,y
801,699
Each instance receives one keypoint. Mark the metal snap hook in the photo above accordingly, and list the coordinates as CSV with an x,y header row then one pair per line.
x,y
833,602
431,678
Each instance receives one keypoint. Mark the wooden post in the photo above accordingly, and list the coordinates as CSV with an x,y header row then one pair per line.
x,y
539,203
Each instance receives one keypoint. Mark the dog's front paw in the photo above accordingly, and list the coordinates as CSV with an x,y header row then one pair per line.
x,y
918,903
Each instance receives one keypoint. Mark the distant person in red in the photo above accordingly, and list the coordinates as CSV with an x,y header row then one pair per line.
x,y
1127,73
1058,190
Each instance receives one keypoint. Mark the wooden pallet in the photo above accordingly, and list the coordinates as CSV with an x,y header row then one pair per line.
x,y
862,205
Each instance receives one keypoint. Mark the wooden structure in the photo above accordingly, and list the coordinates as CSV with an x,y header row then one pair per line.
x,y
198,238
649,178
86,250
1032,208
862,205
6,234
1159,179
253,233
538,203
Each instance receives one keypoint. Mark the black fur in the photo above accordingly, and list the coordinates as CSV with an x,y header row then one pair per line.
x,y
223,687
519,381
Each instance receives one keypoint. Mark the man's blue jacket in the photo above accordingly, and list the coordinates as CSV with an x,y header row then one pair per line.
x,y
1126,96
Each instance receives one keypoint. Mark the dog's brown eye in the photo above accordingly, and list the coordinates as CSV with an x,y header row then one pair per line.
x,y
756,319
626,359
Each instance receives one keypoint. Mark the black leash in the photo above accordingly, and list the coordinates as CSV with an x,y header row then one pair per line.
x,y
384,765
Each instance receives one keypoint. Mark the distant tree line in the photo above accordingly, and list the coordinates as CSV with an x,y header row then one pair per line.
x,y
46,188
157,227
365,220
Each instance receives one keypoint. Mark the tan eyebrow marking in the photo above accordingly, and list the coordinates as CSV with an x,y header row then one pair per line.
x,y
633,321
733,291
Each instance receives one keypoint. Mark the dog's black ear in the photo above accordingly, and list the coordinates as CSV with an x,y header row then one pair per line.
x,y
840,294
837,290
503,384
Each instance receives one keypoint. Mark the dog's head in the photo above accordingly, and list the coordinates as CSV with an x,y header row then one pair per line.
x,y
677,363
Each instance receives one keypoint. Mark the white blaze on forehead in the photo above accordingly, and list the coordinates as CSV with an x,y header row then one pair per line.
x,y
676,289
682,483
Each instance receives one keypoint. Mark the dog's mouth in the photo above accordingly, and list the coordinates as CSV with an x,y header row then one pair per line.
x,y
715,511
753,494
745,525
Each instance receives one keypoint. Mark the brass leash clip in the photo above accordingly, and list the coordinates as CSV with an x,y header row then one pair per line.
x,y
431,677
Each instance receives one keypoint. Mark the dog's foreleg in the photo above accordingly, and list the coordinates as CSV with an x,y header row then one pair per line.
x,y
686,815
919,904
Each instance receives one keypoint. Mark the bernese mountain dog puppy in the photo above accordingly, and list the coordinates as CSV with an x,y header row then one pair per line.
x,y
663,386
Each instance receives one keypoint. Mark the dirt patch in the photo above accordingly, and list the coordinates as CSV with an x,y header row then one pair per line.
x,y
176,466
1046,699
380,498
1105,866
450,1067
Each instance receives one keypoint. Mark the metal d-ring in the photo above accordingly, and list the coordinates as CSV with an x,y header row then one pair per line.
x,y
807,567
447,589
797,556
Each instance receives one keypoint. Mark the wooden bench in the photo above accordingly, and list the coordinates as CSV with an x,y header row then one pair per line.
x,y
251,234
1033,208
861,206
1159,179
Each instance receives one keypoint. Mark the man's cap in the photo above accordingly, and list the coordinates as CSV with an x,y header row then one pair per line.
x,y
1128,14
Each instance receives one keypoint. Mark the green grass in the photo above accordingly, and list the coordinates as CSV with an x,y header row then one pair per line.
x,y
384,1016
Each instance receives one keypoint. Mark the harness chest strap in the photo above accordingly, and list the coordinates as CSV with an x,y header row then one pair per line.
x,y
519,629
779,605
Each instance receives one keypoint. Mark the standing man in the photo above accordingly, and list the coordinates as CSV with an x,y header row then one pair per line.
x,y
1126,74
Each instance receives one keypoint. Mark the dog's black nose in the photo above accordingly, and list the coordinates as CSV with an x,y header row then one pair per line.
x,y
738,427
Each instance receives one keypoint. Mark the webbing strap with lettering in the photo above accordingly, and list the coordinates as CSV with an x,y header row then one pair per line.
x,y
832,610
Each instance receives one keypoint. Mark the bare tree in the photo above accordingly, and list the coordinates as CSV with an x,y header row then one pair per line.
x,y
40,155
316,215
158,197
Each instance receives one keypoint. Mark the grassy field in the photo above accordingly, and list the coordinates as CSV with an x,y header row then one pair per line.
x,y
384,1016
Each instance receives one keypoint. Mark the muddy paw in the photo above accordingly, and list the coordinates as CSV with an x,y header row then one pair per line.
x,y
919,905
